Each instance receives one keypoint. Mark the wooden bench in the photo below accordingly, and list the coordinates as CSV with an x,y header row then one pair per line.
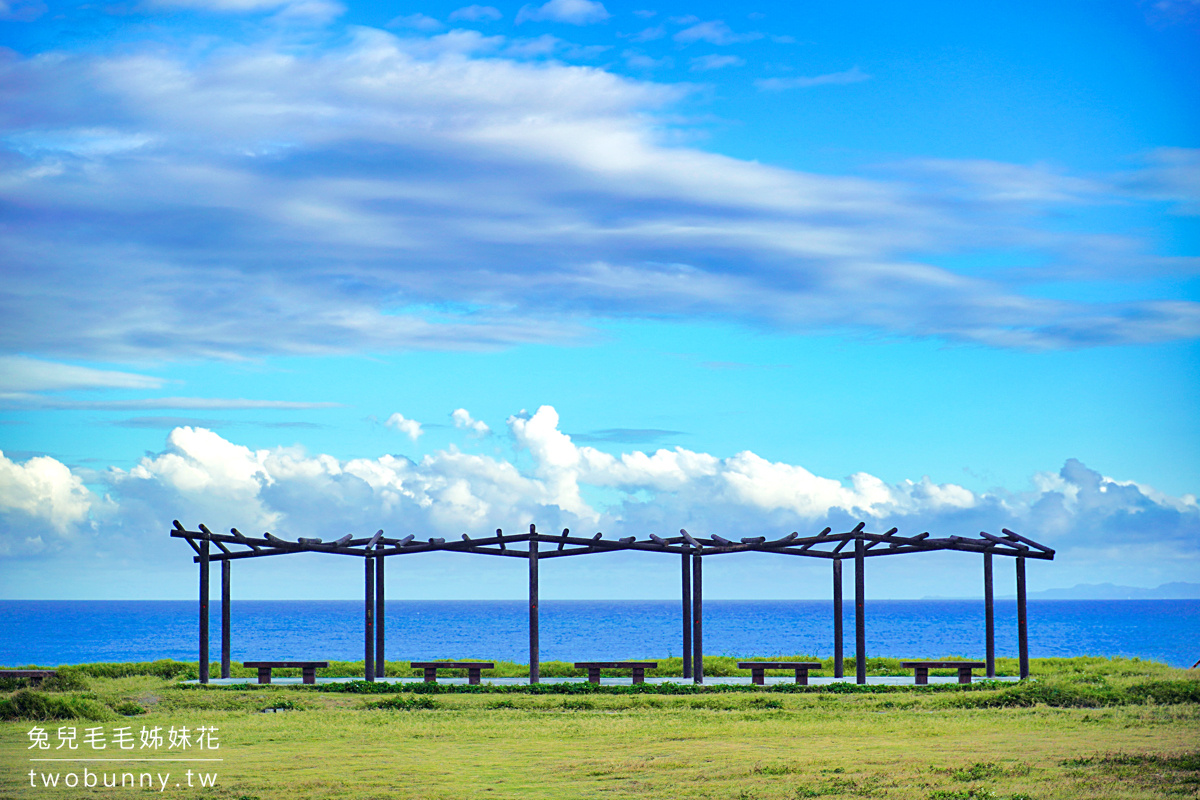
x,y
639,668
35,676
308,669
921,669
759,668
473,669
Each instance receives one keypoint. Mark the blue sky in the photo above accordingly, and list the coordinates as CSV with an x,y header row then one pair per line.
x,y
321,267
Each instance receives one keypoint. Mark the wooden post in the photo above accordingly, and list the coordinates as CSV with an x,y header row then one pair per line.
x,y
697,622
1022,619
369,618
535,670
380,666
838,670
989,615
225,635
860,621
204,610
687,617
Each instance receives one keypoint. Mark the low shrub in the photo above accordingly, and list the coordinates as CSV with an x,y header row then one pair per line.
x,y
27,704
404,704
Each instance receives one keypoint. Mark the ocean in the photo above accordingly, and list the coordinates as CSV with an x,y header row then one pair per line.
x,y
54,632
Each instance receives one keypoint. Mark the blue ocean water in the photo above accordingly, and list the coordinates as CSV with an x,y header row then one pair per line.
x,y
53,632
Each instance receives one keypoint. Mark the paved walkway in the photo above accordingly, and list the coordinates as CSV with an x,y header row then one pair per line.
x,y
888,680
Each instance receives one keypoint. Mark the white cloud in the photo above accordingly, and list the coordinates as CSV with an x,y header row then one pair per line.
x,y
360,197
315,11
26,400
462,419
636,60
714,32
20,374
41,501
553,482
852,75
418,21
1171,174
476,13
575,12
705,63
409,427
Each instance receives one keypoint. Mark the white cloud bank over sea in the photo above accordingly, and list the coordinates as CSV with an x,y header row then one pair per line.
x,y
1103,528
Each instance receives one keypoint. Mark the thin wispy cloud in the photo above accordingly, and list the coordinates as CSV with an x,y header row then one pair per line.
x,y
712,61
418,22
573,12
852,75
22,400
335,222
714,32
22,374
476,13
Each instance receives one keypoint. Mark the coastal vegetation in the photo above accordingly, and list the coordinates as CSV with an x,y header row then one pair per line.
x,y
1082,728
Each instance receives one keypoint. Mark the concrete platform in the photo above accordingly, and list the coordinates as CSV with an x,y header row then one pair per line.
x,y
885,680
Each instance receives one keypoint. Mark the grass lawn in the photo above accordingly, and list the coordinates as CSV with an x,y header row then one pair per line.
x,y
1086,728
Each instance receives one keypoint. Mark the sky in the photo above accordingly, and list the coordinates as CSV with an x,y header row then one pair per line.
x,y
329,266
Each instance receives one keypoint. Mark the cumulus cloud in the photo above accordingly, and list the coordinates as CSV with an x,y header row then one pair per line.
x,y
463,419
431,192
409,427
575,12
1093,521
41,503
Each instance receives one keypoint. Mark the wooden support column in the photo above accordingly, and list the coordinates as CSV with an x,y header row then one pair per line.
x,y
838,669
380,665
1022,620
989,615
225,635
860,621
369,618
687,616
697,621
535,669
204,610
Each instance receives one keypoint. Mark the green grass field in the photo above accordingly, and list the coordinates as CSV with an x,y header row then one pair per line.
x,y
1084,728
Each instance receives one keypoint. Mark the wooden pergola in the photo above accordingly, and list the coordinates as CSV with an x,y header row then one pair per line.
x,y
857,544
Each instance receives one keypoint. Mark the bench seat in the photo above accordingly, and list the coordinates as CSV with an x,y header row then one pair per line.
x,y
473,669
638,667
35,676
758,669
308,669
921,669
